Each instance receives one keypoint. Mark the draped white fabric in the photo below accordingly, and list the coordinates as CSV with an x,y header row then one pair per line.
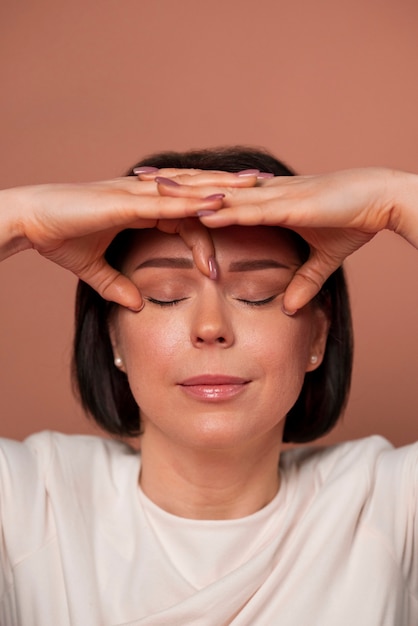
x,y
82,545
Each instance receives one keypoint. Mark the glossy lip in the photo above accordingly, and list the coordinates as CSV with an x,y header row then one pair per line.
x,y
214,379
214,387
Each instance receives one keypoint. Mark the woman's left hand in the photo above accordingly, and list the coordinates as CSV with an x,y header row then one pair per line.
x,y
335,213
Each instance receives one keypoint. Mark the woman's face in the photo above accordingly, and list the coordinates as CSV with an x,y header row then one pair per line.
x,y
216,364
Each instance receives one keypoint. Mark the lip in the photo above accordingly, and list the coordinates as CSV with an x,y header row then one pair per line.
x,y
214,387
214,379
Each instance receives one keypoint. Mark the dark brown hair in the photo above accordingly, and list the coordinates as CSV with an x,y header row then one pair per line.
x,y
104,390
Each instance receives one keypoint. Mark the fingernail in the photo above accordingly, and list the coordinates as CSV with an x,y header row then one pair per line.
x,y
248,173
215,196
265,175
204,212
166,181
145,169
213,268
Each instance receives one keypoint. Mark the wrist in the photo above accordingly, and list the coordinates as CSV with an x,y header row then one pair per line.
x,y
12,237
404,212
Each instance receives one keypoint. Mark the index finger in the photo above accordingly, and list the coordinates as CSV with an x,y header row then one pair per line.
x,y
195,177
196,237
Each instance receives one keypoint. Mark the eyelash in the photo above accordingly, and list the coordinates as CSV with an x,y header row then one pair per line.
x,y
257,302
165,303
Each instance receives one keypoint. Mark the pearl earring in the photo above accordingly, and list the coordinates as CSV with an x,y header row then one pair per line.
x,y
118,362
314,359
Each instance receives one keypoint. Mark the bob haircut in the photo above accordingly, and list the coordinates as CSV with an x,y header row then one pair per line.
x,y
104,390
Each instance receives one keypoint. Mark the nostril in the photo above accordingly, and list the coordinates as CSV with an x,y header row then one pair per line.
x,y
218,340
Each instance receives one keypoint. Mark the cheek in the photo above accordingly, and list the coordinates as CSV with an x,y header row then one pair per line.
x,y
148,347
283,353
281,341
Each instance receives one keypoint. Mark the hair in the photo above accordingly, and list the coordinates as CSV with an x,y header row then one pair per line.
x,y
104,390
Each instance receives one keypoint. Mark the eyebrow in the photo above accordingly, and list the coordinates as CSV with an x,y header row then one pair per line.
x,y
256,264
172,262
236,266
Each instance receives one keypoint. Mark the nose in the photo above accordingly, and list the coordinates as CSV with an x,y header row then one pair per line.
x,y
211,323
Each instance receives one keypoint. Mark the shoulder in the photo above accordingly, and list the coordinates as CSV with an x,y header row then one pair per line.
x,y
49,457
371,461
48,444
369,477
42,447
363,494
325,459
50,473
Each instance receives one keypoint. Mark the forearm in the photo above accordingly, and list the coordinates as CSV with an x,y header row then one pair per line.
x,y
12,239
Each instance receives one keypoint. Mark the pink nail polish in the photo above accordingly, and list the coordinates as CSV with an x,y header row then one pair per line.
x,y
213,268
205,212
216,196
145,169
248,173
161,180
262,175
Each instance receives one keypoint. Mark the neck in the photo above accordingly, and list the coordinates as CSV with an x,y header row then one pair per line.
x,y
210,484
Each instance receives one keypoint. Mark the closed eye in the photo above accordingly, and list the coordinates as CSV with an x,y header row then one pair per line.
x,y
165,302
257,302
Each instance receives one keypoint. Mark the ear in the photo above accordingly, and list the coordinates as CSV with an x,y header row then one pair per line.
x,y
117,356
320,328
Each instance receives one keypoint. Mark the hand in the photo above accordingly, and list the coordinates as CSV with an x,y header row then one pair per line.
x,y
73,225
335,213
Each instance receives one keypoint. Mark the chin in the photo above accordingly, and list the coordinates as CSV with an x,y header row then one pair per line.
x,y
223,433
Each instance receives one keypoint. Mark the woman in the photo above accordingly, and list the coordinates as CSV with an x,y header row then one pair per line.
x,y
229,336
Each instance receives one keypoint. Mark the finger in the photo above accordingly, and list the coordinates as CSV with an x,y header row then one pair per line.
x,y
307,283
274,212
247,178
150,173
299,292
196,177
264,204
246,215
169,188
196,237
171,172
112,285
177,205
117,212
199,240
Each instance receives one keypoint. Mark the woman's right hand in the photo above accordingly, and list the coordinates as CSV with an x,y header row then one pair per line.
x,y
73,224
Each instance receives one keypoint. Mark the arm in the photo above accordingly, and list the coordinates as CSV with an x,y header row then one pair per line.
x,y
335,213
72,225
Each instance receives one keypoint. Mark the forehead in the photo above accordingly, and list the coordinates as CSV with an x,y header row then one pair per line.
x,y
230,243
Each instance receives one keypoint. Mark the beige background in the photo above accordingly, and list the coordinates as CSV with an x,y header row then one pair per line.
x,y
88,87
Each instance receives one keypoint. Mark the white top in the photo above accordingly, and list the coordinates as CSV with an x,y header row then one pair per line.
x,y
81,544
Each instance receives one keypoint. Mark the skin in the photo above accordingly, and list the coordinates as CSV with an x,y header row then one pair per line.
x,y
225,467
216,456
336,213
73,224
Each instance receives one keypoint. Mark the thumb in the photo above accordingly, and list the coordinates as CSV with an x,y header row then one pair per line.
x,y
113,286
306,283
